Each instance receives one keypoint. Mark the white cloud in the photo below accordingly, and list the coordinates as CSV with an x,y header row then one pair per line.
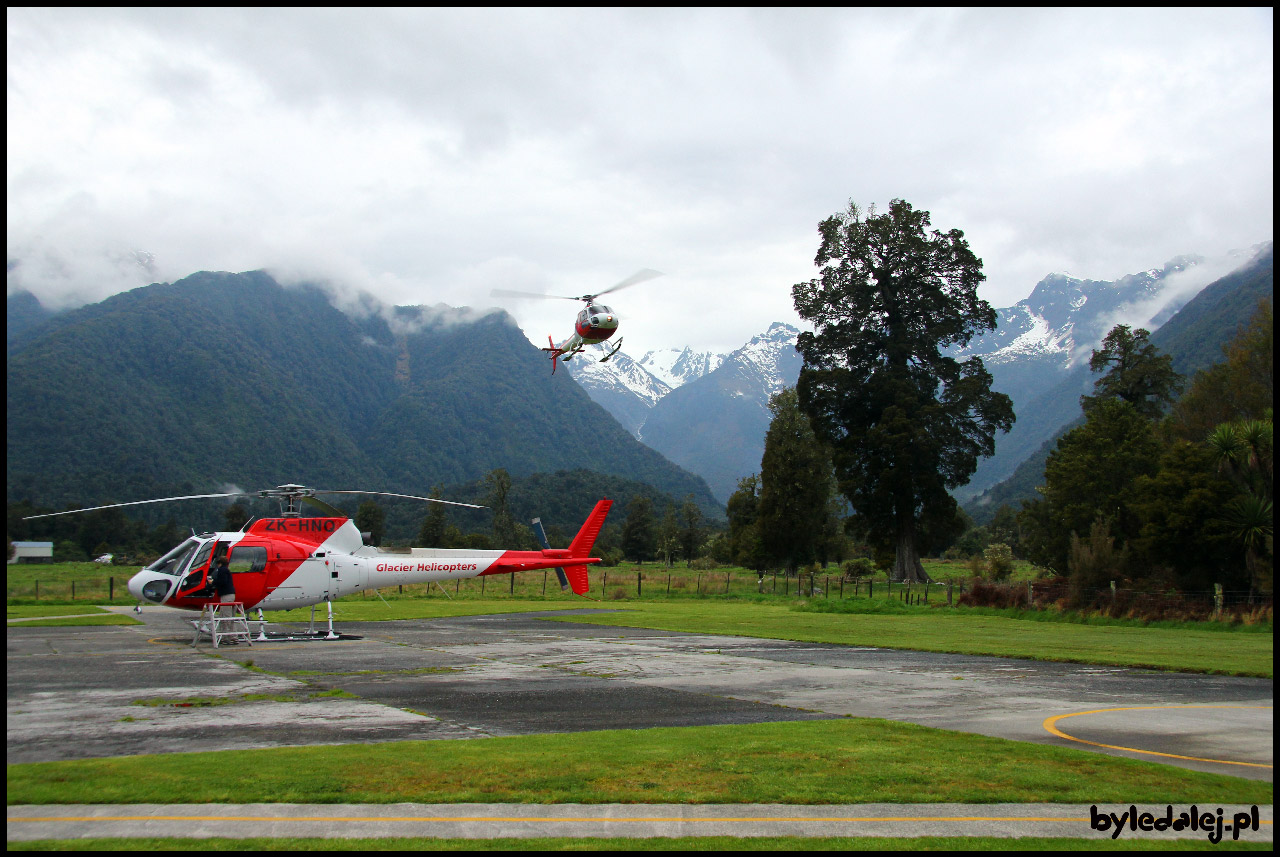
x,y
427,155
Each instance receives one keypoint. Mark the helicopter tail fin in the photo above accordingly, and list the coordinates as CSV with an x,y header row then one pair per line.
x,y
582,544
555,353
577,575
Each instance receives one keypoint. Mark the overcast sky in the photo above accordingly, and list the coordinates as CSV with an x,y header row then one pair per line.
x,y
431,156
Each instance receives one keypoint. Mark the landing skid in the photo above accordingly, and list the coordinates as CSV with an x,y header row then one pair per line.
x,y
617,345
312,634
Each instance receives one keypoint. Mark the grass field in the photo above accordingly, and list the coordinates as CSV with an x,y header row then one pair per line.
x,y
81,581
844,761
883,620
1243,650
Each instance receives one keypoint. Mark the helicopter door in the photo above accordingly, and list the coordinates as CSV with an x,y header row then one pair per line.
x,y
347,574
196,578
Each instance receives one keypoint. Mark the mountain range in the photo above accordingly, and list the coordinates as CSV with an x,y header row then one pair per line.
x,y
1193,338
1039,352
221,378
708,413
713,422
225,378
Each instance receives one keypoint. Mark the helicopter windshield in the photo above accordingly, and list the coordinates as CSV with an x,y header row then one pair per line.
x,y
599,308
174,561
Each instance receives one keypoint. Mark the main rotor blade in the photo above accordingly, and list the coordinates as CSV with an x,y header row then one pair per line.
x,y
405,496
139,503
324,507
510,293
638,277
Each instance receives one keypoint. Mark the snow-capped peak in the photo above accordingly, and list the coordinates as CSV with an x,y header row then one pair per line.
x,y
676,367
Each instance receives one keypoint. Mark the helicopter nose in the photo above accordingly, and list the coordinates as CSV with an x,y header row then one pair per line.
x,y
150,586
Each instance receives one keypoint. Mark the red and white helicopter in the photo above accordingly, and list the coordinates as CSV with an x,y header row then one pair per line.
x,y
595,323
293,561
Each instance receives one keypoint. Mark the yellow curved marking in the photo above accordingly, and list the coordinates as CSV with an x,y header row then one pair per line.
x,y
1050,726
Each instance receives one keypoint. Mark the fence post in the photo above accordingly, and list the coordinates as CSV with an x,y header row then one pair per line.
x,y
668,583
726,583
1217,601
111,588
949,593
637,584
544,582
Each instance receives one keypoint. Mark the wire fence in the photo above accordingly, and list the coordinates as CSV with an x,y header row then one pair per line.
x,y
659,582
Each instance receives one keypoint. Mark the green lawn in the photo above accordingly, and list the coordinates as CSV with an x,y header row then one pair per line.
x,y
1233,651
946,630
843,761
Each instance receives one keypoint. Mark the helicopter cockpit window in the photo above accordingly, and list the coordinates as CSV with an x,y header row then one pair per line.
x,y
202,558
248,559
175,560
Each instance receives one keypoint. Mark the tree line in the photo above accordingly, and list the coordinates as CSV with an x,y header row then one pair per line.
x,y
1158,488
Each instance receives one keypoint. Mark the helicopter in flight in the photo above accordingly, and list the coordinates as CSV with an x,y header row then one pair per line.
x,y
291,561
595,323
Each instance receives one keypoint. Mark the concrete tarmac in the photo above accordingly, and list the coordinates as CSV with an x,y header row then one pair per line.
x,y
145,689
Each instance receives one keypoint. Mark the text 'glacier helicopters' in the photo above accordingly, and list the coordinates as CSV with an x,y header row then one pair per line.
x,y
595,322
292,561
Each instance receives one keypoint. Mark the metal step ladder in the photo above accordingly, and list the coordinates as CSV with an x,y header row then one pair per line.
x,y
223,622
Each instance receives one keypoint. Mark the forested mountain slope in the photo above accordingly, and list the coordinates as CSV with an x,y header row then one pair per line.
x,y
232,379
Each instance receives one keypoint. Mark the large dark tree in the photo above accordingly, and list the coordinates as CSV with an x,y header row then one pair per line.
x,y
691,529
372,519
434,525
743,510
1134,371
905,420
795,487
1090,475
505,534
640,532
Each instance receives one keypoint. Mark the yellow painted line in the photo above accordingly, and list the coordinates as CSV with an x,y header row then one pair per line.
x,y
1050,724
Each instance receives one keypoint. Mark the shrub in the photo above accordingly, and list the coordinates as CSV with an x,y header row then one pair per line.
x,y
1095,562
860,567
983,594
999,561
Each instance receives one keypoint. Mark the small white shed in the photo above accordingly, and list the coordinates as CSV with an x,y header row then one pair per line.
x,y
32,552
